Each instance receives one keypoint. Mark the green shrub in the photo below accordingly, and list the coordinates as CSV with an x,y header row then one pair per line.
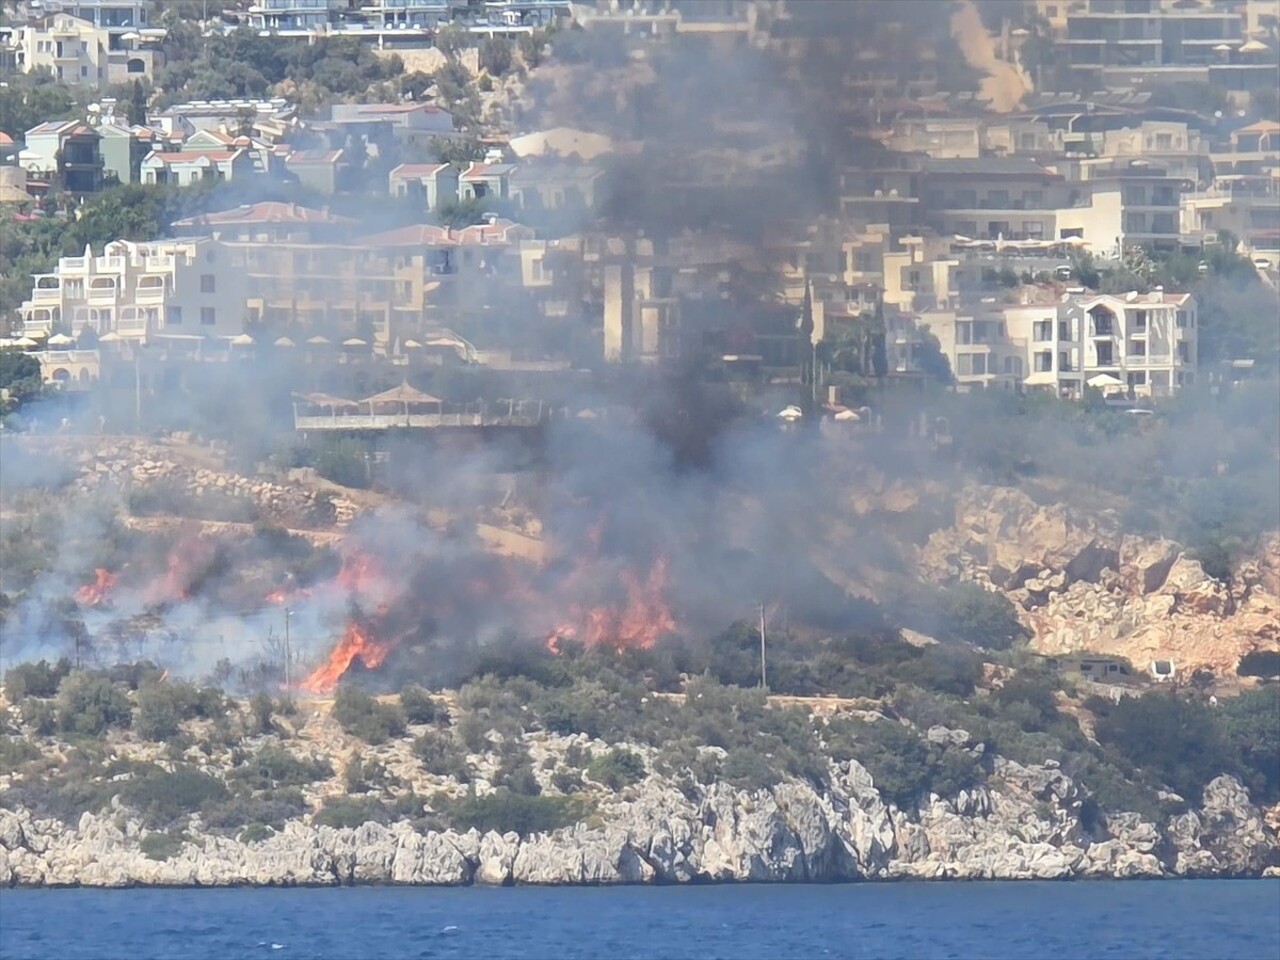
x,y
984,618
255,833
1260,663
351,812
14,752
443,755
40,716
1181,742
273,767
1253,728
272,809
420,707
617,768
164,797
89,704
35,679
362,716
160,712
162,845
262,710
747,769
365,775
506,812
567,781
903,765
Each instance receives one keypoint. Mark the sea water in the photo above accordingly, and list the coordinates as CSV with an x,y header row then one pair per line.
x,y
1179,920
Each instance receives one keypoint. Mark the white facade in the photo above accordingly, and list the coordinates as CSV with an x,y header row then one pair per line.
x,y
294,15
78,51
138,291
1146,342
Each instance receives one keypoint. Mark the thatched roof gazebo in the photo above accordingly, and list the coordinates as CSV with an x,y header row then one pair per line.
x,y
334,405
403,399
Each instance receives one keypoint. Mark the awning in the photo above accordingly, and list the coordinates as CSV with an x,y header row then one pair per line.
x,y
1041,378
1105,380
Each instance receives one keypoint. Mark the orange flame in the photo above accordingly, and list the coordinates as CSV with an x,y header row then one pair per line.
x,y
93,594
354,643
280,597
639,621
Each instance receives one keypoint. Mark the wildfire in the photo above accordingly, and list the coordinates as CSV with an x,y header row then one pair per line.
x,y
639,621
355,643
281,597
93,594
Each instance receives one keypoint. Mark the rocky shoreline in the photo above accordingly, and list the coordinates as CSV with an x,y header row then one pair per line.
x,y
1027,824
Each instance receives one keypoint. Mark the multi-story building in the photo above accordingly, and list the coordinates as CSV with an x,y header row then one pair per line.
x,y
1246,206
141,291
405,14
976,341
99,45
294,16
1146,341
1011,198
269,222
65,149
1121,204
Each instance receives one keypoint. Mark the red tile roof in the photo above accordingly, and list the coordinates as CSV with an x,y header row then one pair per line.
x,y
269,211
418,169
192,156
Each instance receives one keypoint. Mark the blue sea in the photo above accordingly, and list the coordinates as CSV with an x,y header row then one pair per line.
x,y
1179,920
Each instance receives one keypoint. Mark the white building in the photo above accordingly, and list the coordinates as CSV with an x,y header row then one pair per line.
x,y
78,50
1145,343
288,16
140,291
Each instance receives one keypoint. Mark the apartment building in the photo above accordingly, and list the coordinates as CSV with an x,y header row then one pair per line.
x,y
1117,204
69,150
1247,206
186,289
1010,198
1147,342
290,16
883,189
99,45
976,341
269,222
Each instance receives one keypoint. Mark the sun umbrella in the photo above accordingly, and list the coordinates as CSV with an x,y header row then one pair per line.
x,y
24,342
241,340
284,342
318,340
354,342
1105,380
110,337
60,340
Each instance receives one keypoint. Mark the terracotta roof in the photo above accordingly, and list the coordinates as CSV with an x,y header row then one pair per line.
x,y
269,211
418,169
314,156
5,139
1262,126
487,170
192,156
417,235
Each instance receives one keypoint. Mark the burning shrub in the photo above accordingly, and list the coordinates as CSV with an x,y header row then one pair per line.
x,y
35,679
508,812
362,716
442,755
617,768
273,767
420,707
89,704
351,812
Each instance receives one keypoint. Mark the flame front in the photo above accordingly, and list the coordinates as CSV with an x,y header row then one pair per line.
x,y
94,594
355,643
639,621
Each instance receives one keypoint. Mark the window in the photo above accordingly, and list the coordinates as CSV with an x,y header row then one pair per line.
x,y
84,71
207,283
1064,362
1064,329
1102,321
1104,355
1138,348
172,316
1184,352
1042,330
1182,319
1140,321
1044,361
964,332
1032,230
208,316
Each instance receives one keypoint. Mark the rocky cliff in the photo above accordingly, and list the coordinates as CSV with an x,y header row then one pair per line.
x,y
1027,824
1080,584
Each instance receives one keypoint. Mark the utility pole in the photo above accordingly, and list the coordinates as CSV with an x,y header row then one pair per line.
x,y
764,678
287,614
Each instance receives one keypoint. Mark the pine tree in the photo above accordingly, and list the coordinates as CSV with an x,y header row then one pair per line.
x,y
138,104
